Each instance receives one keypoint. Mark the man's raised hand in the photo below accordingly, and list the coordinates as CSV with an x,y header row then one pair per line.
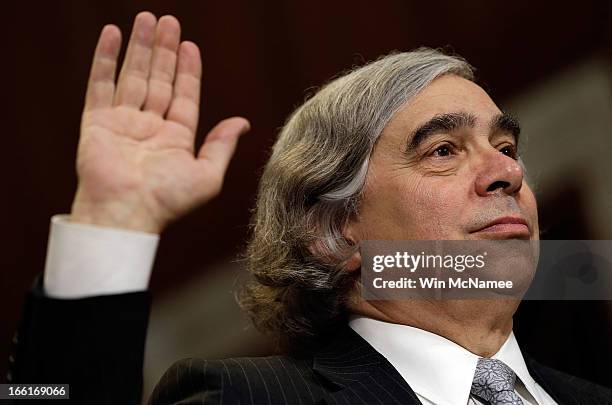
x,y
136,163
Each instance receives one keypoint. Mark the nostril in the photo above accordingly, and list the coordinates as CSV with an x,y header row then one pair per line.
x,y
498,184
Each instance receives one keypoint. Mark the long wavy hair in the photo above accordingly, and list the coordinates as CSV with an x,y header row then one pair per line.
x,y
311,187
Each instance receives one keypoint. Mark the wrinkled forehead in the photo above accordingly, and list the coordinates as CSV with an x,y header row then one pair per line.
x,y
448,94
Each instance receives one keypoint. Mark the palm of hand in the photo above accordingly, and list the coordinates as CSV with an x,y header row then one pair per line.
x,y
124,150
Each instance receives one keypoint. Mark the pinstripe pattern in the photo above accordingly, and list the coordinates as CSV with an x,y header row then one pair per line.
x,y
334,375
60,340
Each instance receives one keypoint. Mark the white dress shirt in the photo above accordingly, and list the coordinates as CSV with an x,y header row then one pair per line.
x,y
87,260
438,370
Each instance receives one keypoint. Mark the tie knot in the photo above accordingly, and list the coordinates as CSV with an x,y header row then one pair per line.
x,y
494,382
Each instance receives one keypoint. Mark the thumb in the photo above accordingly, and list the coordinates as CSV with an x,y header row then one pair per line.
x,y
220,143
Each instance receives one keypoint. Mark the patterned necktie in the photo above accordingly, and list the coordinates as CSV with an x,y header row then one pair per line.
x,y
494,383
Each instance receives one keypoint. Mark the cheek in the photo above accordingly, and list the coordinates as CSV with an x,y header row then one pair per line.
x,y
414,208
529,206
436,205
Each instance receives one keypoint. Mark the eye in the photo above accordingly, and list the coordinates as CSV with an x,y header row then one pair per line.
x,y
510,151
442,151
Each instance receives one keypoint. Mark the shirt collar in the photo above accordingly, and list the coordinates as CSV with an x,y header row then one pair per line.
x,y
425,359
511,355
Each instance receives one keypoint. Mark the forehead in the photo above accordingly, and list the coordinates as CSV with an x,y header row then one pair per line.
x,y
446,94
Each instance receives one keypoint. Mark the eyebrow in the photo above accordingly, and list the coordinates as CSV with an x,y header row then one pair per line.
x,y
506,123
450,122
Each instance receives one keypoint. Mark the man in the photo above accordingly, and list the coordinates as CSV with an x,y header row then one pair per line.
x,y
407,147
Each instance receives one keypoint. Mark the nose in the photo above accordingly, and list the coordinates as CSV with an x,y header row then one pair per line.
x,y
499,173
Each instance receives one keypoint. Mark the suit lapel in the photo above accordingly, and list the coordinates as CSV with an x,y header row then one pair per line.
x,y
558,389
357,373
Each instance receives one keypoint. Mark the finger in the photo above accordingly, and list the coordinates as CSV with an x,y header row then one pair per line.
x,y
163,64
101,84
185,104
132,84
220,144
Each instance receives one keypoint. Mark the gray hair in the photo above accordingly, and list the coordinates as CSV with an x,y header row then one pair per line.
x,y
311,187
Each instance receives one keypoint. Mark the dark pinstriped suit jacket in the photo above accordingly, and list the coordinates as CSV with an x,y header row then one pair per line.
x,y
96,345
347,371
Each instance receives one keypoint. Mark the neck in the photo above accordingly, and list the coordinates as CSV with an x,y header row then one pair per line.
x,y
480,326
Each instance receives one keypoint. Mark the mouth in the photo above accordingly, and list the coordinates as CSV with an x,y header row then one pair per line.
x,y
505,227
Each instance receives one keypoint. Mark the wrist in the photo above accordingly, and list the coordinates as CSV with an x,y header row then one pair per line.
x,y
113,214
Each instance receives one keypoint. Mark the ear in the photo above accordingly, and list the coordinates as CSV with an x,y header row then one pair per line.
x,y
354,261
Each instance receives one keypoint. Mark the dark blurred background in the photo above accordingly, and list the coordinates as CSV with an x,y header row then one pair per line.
x,y
550,63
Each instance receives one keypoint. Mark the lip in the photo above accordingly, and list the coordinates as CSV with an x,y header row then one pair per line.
x,y
507,226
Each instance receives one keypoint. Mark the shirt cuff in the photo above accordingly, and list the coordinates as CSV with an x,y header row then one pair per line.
x,y
86,260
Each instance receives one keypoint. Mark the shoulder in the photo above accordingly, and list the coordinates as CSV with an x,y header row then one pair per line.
x,y
561,382
242,380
